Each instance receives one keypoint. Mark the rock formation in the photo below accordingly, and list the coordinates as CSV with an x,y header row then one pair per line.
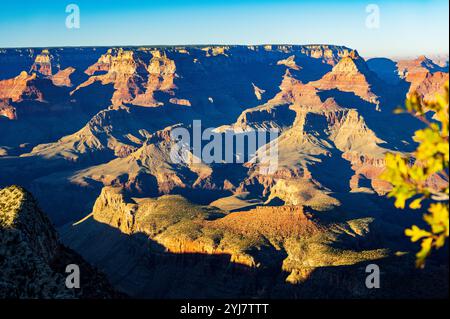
x,y
42,64
20,88
425,76
290,63
90,130
350,74
32,259
62,77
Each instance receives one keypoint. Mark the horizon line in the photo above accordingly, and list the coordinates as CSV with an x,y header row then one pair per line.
x,y
212,44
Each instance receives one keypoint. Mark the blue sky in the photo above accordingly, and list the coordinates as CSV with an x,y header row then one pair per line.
x,y
407,28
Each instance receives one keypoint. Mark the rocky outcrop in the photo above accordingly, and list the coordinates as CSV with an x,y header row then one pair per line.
x,y
20,88
302,97
161,75
182,102
361,147
103,64
134,216
121,73
290,63
127,72
33,261
425,76
350,74
43,64
258,92
111,208
330,54
216,50
62,77
432,85
7,110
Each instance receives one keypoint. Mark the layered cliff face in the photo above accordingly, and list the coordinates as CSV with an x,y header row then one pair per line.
x,y
161,75
33,260
119,146
20,88
121,68
425,76
330,54
361,147
128,72
318,126
350,74
432,85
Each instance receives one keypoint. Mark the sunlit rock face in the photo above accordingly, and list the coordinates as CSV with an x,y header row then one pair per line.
x,y
425,77
20,88
107,109
350,74
42,64
62,77
88,132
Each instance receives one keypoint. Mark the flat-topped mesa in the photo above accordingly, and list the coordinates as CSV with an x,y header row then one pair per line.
x,y
284,221
43,64
165,220
350,74
276,224
330,53
216,50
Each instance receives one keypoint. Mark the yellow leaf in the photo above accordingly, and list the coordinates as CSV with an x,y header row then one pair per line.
x,y
416,233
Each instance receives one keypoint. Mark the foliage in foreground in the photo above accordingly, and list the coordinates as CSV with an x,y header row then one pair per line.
x,y
414,178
